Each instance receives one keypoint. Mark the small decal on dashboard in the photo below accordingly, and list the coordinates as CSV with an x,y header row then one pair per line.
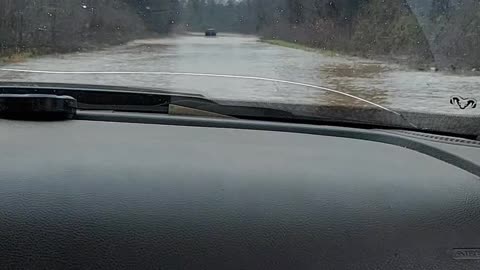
x,y
463,103
466,254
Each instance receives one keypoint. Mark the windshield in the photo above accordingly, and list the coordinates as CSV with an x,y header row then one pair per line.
x,y
399,55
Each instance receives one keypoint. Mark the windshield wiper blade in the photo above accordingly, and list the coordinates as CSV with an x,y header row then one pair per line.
x,y
92,97
208,75
213,75
28,86
125,99
101,97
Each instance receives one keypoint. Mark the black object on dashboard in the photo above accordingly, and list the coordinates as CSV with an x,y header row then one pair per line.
x,y
37,106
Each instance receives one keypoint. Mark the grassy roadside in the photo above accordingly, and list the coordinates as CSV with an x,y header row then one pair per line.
x,y
298,46
400,60
17,57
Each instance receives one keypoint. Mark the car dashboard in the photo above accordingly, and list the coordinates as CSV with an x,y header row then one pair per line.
x,y
110,190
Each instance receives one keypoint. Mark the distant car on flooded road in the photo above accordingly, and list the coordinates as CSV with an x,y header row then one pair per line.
x,y
211,32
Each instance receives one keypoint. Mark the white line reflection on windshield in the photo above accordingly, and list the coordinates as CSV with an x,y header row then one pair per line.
x,y
201,75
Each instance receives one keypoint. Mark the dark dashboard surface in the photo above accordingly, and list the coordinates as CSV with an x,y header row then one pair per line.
x,y
85,194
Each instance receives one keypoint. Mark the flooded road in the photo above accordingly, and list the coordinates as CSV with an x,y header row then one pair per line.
x,y
389,85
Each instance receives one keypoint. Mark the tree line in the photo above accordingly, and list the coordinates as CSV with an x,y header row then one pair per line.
x,y
66,25
444,31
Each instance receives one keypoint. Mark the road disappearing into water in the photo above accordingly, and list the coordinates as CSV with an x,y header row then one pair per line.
x,y
389,85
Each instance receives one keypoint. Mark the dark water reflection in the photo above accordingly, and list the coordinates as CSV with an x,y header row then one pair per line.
x,y
345,77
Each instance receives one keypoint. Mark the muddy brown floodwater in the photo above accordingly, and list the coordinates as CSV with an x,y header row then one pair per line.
x,y
389,85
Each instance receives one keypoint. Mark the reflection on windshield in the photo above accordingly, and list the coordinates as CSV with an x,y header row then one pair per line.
x,y
164,73
401,54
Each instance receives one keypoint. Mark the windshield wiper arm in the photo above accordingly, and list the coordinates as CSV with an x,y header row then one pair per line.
x,y
124,99
212,75
90,97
